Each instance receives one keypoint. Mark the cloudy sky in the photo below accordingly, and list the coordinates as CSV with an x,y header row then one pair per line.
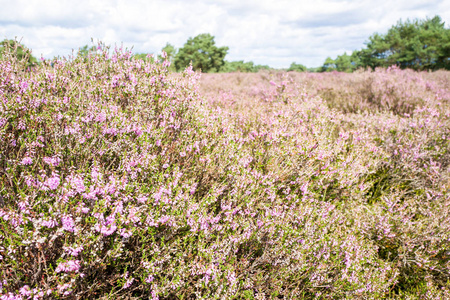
x,y
270,32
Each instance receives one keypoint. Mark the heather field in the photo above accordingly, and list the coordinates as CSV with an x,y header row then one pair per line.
x,y
121,180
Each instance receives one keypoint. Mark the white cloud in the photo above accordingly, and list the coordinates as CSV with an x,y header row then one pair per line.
x,y
264,31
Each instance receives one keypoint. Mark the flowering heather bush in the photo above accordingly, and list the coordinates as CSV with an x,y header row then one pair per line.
x,y
120,180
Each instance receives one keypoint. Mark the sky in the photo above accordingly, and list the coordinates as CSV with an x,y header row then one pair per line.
x,y
267,32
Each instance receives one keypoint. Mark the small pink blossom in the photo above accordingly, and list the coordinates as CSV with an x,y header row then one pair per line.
x,y
53,182
25,291
69,266
50,223
78,184
73,251
68,223
27,161
54,161
128,283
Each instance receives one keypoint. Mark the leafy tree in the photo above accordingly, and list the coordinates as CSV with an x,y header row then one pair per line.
x,y
314,70
418,44
241,66
85,50
238,66
257,68
202,52
18,50
170,52
329,65
347,63
297,67
142,56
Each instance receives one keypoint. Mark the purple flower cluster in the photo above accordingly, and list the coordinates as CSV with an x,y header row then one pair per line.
x,y
221,186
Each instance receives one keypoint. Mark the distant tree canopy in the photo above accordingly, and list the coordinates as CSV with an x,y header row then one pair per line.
x,y
417,44
241,66
142,56
297,67
202,52
343,63
85,50
18,50
170,52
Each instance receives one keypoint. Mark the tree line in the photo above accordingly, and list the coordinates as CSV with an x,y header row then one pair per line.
x,y
417,44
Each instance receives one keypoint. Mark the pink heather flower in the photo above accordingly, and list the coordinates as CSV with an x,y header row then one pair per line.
x,y
23,86
142,199
111,131
132,215
68,223
22,205
25,291
78,184
163,219
128,283
50,76
260,223
154,295
138,130
27,161
165,166
50,223
101,117
125,233
53,182
21,125
182,154
189,70
95,174
133,79
232,279
11,296
105,229
54,161
149,279
73,251
63,287
69,266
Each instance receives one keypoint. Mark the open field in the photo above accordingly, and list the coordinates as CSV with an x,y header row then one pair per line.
x,y
121,180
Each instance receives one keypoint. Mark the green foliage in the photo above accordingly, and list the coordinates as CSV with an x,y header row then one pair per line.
x,y
202,52
241,66
142,56
343,63
18,50
170,52
329,65
418,44
297,67
85,50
